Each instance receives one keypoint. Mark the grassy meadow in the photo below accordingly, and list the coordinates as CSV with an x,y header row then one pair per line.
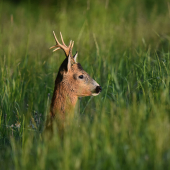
x,y
125,46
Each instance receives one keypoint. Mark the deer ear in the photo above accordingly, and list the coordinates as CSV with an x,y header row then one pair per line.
x,y
69,63
75,57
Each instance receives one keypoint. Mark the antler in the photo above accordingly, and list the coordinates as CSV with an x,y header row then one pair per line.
x,y
67,50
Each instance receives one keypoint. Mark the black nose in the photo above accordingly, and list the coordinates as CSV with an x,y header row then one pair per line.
x,y
98,89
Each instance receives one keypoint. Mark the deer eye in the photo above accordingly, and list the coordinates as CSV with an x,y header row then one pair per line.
x,y
81,76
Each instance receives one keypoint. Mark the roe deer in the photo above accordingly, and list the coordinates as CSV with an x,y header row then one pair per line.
x,y
71,82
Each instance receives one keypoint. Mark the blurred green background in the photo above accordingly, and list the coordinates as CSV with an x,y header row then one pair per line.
x,y
124,45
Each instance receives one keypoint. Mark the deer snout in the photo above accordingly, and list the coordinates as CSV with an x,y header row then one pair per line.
x,y
98,89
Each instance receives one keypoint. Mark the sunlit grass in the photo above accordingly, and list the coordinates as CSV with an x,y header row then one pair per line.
x,y
124,48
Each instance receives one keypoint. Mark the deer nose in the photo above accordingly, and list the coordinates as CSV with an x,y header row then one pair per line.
x,y
98,89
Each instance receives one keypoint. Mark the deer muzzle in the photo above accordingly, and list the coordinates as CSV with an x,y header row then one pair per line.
x,y
98,89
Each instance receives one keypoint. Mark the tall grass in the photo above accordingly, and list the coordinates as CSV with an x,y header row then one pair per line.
x,y
124,46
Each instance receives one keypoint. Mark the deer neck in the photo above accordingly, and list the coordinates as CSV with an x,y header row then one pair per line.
x,y
63,101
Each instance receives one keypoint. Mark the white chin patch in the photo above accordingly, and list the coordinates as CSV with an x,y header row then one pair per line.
x,y
95,94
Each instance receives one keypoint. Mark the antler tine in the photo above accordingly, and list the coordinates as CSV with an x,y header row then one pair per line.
x,y
54,46
56,49
71,46
56,38
57,42
62,39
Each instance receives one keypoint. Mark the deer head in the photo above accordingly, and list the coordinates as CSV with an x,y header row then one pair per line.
x,y
71,74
